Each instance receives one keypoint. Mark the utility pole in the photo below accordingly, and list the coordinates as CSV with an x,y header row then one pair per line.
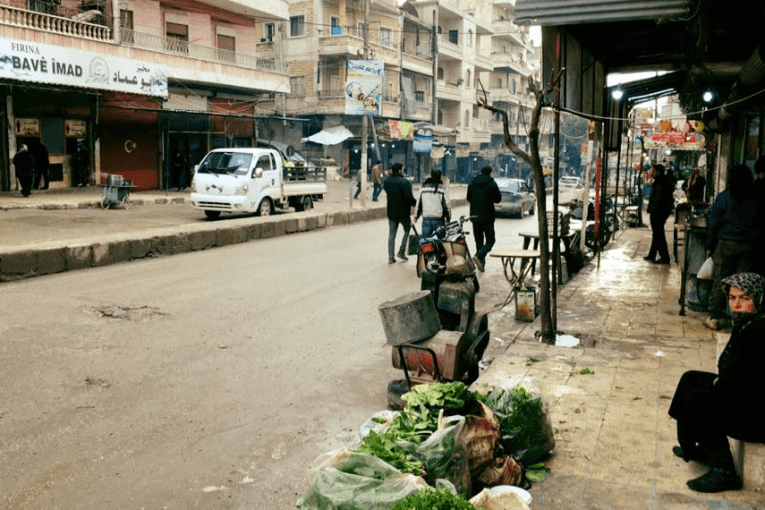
x,y
364,119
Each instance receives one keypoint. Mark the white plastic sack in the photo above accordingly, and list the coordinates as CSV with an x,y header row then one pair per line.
x,y
706,270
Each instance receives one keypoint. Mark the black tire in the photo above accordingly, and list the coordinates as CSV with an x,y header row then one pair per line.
x,y
396,388
265,208
306,203
212,215
533,209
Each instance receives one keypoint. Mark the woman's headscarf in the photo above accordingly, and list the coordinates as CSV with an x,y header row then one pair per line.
x,y
754,285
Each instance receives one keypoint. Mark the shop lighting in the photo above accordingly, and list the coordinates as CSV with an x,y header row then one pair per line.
x,y
617,94
708,96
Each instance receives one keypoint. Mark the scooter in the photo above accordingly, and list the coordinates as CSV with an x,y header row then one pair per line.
x,y
434,253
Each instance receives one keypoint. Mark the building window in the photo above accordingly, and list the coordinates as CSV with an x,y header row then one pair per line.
x,y
297,86
336,30
362,30
177,37
297,26
419,96
268,32
386,37
126,26
440,73
454,36
226,47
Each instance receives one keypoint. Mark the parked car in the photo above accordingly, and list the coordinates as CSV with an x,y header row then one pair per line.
x,y
517,198
569,181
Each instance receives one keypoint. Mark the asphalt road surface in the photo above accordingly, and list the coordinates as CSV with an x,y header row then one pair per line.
x,y
204,380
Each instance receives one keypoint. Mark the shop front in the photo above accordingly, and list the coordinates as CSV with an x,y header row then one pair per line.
x,y
80,114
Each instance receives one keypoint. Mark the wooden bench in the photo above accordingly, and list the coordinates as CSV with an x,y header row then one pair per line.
x,y
748,457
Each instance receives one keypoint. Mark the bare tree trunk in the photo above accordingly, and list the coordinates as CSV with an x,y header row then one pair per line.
x,y
532,159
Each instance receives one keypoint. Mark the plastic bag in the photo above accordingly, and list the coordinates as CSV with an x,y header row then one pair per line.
x,y
360,482
706,271
443,456
489,500
526,431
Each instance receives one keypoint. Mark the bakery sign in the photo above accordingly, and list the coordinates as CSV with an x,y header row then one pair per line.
x,y
54,65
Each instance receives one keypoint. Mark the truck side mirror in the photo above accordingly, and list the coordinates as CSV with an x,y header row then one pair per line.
x,y
196,167
258,172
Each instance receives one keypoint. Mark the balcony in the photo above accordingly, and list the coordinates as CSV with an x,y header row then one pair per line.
x,y
417,63
512,61
448,91
348,45
179,47
58,20
449,50
506,29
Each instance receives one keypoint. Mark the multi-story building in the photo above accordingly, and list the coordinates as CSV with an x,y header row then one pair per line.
x,y
122,86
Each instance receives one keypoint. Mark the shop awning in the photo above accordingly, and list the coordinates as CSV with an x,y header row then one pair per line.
x,y
330,136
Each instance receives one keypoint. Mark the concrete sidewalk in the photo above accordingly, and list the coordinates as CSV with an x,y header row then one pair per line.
x,y
613,435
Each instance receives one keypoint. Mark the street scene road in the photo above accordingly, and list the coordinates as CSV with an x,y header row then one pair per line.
x,y
202,380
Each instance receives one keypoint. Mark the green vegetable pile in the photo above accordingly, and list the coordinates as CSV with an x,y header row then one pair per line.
x,y
521,419
428,499
398,445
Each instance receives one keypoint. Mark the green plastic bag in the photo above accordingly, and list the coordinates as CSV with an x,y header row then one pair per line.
x,y
361,482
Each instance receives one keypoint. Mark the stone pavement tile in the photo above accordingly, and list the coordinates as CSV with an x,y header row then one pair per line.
x,y
612,495
744,499
560,491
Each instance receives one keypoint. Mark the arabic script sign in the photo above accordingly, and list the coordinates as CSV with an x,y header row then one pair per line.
x,y
55,65
363,87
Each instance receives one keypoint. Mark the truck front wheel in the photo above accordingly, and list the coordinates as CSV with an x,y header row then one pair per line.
x,y
265,208
212,215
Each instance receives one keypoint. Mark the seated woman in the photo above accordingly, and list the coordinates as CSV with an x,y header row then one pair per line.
x,y
710,407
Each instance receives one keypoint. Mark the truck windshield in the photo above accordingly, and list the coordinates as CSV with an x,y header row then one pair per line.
x,y
233,163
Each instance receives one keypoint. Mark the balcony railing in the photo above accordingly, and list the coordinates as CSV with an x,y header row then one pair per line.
x,y
176,46
24,18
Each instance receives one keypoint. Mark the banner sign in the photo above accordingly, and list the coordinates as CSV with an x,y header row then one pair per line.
x,y
55,65
400,129
363,87
423,140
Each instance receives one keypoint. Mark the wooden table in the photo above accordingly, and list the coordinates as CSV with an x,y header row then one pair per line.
x,y
566,253
515,279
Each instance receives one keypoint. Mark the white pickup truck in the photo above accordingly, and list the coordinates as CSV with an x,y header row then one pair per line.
x,y
253,180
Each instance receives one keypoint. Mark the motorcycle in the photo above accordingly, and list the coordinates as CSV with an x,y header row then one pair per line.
x,y
606,227
446,253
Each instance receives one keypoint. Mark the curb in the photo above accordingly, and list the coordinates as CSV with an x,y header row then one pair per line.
x,y
28,261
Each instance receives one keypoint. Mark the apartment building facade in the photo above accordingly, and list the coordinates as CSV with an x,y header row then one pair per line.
x,y
437,55
122,86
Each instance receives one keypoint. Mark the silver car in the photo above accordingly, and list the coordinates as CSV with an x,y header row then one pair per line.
x,y
517,198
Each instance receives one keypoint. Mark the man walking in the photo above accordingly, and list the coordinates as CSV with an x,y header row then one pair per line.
x,y
433,205
377,180
399,207
483,193
660,205
42,163
25,169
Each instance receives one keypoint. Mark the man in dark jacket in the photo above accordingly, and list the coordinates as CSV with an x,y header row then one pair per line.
x,y
399,208
660,205
483,193
24,164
